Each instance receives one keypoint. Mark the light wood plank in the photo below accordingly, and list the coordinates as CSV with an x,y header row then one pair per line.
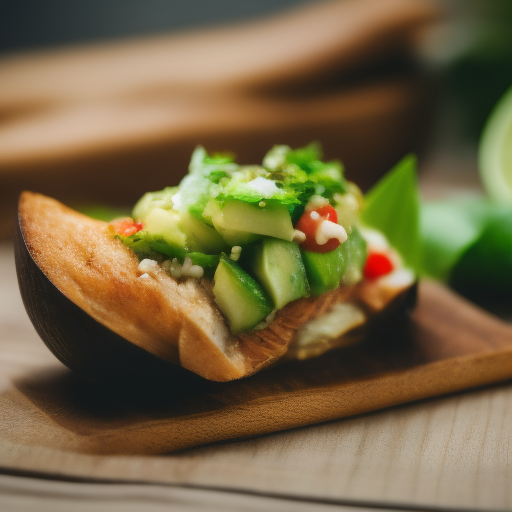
x,y
449,452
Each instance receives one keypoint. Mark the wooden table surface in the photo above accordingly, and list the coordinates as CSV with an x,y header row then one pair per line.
x,y
453,452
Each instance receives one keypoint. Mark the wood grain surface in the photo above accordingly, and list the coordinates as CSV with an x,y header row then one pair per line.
x,y
451,452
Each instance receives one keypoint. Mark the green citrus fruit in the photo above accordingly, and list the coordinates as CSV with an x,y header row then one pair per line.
x,y
495,152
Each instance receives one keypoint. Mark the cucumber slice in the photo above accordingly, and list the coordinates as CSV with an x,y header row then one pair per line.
x,y
239,297
271,220
159,199
324,270
354,252
165,224
201,237
278,266
240,223
213,216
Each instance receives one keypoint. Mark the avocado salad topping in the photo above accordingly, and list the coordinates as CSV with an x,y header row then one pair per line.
x,y
265,234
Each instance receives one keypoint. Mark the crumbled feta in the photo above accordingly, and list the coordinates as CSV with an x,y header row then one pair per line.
x,y
314,215
328,230
176,268
176,201
236,250
147,266
188,269
264,186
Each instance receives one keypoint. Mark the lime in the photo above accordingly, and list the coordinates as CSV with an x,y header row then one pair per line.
x,y
495,152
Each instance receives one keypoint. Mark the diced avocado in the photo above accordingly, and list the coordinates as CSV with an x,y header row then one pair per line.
x,y
159,199
270,220
240,298
278,266
354,252
324,270
165,224
213,213
201,237
240,223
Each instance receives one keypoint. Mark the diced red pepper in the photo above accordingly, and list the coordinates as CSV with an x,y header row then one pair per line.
x,y
126,226
309,225
377,265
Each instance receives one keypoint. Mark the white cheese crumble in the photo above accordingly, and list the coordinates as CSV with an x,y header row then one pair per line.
x,y
176,201
188,269
328,230
173,267
236,250
314,215
148,266
264,186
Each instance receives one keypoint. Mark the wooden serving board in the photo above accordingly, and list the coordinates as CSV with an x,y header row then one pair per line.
x,y
450,345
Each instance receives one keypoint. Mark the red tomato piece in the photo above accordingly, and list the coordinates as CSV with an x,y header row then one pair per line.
x,y
309,224
126,226
377,265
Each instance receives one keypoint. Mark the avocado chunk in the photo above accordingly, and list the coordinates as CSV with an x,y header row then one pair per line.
x,y
240,223
213,216
324,270
200,236
165,224
159,199
279,268
240,298
354,252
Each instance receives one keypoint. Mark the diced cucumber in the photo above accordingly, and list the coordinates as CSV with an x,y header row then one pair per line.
x,y
239,297
271,220
165,224
159,199
240,223
278,266
354,253
324,270
201,237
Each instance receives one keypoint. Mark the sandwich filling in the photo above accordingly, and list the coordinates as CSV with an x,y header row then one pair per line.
x,y
263,235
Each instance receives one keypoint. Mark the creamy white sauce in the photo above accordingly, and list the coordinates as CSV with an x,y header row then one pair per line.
x,y
328,230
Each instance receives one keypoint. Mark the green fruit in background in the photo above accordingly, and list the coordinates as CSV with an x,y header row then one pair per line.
x,y
495,151
485,270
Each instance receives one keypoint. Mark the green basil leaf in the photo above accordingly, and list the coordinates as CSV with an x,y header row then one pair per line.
x,y
392,206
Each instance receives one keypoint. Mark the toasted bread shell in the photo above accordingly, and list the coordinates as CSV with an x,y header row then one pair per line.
x,y
83,292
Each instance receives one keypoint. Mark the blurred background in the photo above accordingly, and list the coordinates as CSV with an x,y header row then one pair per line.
x,y
101,101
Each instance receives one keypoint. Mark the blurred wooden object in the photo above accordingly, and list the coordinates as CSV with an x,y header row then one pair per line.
x,y
106,123
307,44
